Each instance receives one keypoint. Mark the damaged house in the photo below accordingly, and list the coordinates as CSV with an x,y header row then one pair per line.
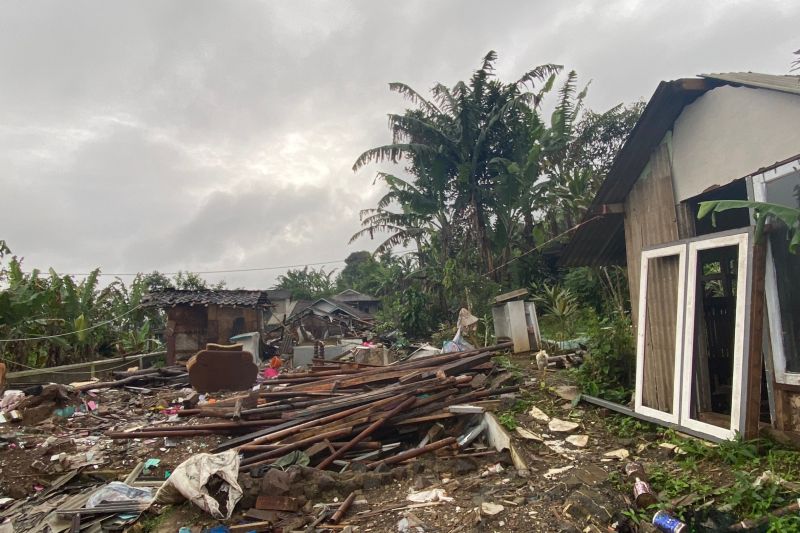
x,y
198,317
716,307
327,318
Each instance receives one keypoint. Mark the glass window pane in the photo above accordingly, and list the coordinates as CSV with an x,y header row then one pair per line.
x,y
714,329
786,191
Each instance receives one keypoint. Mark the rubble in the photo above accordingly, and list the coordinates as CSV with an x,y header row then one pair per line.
x,y
340,445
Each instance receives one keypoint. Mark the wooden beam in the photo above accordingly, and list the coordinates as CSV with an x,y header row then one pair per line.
x,y
754,362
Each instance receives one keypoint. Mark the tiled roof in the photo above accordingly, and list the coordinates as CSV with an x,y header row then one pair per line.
x,y
233,298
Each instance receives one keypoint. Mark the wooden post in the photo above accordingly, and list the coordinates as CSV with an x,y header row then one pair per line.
x,y
754,360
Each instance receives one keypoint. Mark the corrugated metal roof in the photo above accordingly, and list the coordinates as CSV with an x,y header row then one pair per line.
x,y
782,83
598,243
350,295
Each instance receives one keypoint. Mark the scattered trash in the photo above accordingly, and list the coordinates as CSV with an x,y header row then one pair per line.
x,y
150,464
553,472
493,469
674,448
539,415
119,492
620,454
579,441
562,426
527,435
567,392
667,523
426,496
209,481
10,400
491,509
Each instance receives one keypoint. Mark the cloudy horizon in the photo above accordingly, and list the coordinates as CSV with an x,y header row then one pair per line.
x,y
204,136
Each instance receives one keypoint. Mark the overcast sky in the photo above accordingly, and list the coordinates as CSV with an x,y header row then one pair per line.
x,y
220,135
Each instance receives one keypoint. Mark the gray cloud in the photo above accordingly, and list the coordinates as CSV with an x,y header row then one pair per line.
x,y
209,135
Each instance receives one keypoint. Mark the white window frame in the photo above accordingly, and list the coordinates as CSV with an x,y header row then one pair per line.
x,y
771,284
741,335
666,251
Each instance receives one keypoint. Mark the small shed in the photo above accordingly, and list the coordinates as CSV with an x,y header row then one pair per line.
x,y
716,307
198,317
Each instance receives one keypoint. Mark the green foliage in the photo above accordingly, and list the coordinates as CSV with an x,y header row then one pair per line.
x,y
308,283
83,318
559,304
604,289
762,212
508,420
626,427
746,460
488,181
363,274
607,371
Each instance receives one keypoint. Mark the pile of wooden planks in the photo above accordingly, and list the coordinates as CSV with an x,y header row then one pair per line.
x,y
340,413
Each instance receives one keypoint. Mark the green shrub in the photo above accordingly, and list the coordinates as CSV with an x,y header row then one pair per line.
x,y
608,370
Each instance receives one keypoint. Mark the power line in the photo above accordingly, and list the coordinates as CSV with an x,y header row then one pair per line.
x,y
225,271
42,337
545,243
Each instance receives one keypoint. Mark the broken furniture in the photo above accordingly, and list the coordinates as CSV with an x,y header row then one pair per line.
x,y
222,370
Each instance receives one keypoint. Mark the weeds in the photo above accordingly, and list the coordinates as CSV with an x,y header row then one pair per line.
x,y
508,418
626,427
741,462
607,370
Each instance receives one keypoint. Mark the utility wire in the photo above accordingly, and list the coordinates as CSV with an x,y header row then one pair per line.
x,y
42,337
225,271
545,243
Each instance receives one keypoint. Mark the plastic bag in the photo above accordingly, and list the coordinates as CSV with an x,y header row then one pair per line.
x,y
458,344
207,480
11,399
117,491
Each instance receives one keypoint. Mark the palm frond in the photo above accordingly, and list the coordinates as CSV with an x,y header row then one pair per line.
x,y
392,152
413,96
540,73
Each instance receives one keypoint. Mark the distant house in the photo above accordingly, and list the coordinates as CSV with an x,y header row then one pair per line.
x,y
708,299
198,317
325,318
362,302
282,305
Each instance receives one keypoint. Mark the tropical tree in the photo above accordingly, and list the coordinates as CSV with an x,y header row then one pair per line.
x,y
448,142
308,283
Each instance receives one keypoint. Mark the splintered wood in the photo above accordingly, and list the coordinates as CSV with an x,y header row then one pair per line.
x,y
337,414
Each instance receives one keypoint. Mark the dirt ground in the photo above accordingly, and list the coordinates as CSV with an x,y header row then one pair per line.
x,y
566,487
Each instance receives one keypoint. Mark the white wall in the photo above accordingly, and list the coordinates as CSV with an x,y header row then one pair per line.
x,y
730,132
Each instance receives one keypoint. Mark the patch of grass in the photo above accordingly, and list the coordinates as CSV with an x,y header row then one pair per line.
x,y
504,362
785,524
750,501
508,419
743,461
626,427
151,522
